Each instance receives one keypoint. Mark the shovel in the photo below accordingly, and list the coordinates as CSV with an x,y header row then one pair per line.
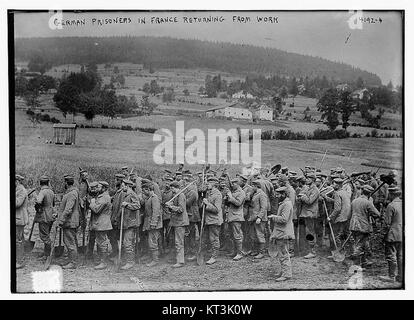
x,y
325,237
200,256
82,249
336,254
272,248
52,251
60,249
339,256
29,244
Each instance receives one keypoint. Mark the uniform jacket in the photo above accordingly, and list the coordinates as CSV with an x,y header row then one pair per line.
x,y
117,199
22,215
235,204
157,190
248,192
179,216
361,210
153,213
309,202
393,221
283,221
342,207
101,212
292,197
213,212
258,206
131,210
45,201
83,192
191,198
166,196
69,208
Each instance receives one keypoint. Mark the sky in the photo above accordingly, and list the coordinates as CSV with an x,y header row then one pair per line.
x,y
369,44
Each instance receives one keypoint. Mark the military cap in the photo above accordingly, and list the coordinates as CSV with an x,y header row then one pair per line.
x,y
301,178
339,169
293,173
44,179
281,189
175,184
167,171
19,177
128,182
146,181
120,176
257,183
178,173
212,179
284,169
367,188
394,190
83,171
124,168
133,175
312,176
338,180
234,180
244,177
209,174
361,181
200,173
68,177
169,179
187,174
274,178
318,179
104,183
334,176
93,184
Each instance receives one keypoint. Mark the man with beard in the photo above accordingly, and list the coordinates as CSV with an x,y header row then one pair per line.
x,y
116,200
101,208
258,220
69,220
308,199
45,201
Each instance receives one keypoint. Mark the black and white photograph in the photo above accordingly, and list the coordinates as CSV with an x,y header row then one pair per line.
x,y
206,151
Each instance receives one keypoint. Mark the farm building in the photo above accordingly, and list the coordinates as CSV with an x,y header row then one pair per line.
x,y
234,111
240,95
263,112
360,94
64,133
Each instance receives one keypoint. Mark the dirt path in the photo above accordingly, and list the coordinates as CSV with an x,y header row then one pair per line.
x,y
247,274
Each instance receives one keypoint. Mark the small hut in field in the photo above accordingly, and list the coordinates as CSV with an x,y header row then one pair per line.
x,y
64,133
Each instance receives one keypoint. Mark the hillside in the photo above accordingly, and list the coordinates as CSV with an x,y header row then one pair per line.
x,y
178,53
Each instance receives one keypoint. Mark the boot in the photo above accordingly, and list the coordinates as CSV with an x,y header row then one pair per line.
x,y
128,266
261,250
70,265
155,259
19,265
102,265
239,254
178,265
211,261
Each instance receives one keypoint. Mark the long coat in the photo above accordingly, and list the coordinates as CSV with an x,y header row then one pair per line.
x,y
117,199
309,202
342,207
69,208
131,210
45,201
101,210
258,206
153,213
179,216
361,210
22,216
166,196
393,221
191,196
213,211
235,204
248,192
283,226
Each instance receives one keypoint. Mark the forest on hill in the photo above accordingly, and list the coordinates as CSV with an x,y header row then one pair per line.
x,y
165,52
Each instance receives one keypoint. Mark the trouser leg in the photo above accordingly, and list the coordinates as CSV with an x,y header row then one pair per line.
x,y
113,236
153,237
283,255
91,242
44,234
19,244
179,243
128,244
310,233
214,239
391,258
237,234
69,239
398,246
259,232
102,244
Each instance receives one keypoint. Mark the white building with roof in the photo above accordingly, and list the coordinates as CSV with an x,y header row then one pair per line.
x,y
263,112
234,111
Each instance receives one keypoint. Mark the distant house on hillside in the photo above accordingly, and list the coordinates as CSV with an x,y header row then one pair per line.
x,y
360,94
234,111
342,87
301,89
241,95
263,112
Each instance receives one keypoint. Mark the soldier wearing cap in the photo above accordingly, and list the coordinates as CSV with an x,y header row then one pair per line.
x,y
68,220
166,195
116,200
248,192
283,232
225,238
101,209
258,219
213,217
192,233
131,205
291,194
125,172
22,219
341,212
393,236
45,201
152,220
308,198
360,224
179,178
235,198
178,221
